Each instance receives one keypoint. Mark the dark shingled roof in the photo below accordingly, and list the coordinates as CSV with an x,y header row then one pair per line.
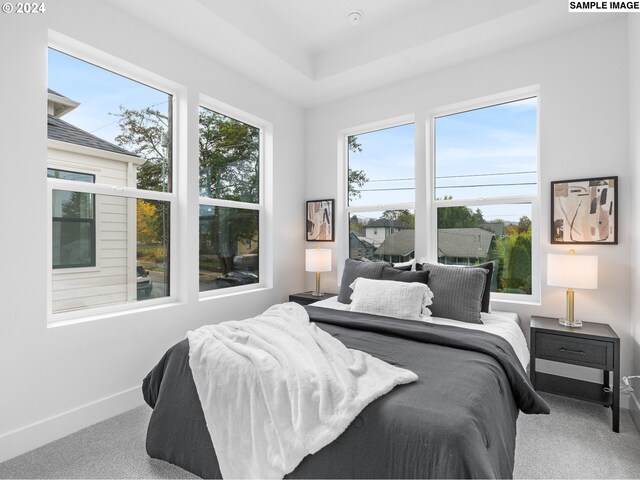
x,y
65,132
398,243
464,242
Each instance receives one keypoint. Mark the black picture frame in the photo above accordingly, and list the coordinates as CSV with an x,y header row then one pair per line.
x,y
320,220
588,207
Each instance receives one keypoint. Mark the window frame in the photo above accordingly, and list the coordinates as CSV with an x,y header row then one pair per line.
x,y
343,201
92,221
265,129
135,73
533,200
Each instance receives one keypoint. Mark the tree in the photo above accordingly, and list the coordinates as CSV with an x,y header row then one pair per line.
x,y
356,178
355,225
146,133
458,217
146,222
229,158
229,169
520,265
404,216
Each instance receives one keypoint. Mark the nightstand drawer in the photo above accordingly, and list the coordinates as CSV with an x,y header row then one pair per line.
x,y
578,351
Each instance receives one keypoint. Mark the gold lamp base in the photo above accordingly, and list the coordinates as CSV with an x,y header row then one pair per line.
x,y
317,292
570,321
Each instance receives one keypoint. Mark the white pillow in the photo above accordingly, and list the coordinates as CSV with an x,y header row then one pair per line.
x,y
408,301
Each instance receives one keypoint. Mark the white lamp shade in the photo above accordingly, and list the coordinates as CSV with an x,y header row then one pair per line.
x,y
572,271
317,260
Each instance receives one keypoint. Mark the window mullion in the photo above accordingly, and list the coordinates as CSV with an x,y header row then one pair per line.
x,y
383,207
104,189
484,201
217,202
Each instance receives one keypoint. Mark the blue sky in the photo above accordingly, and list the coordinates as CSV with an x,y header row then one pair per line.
x,y
387,155
499,140
100,92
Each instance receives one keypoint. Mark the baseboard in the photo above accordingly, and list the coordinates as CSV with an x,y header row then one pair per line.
x,y
37,434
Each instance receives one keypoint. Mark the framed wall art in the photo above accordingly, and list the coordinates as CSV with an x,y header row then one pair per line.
x,y
320,221
585,211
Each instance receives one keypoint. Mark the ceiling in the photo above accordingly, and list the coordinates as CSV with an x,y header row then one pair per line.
x,y
308,52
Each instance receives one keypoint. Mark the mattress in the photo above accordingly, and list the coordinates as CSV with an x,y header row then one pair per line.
x,y
503,324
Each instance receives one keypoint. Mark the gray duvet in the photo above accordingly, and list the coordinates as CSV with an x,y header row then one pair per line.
x,y
457,421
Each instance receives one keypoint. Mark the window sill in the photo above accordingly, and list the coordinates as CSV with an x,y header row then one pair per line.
x,y
89,315
232,291
517,301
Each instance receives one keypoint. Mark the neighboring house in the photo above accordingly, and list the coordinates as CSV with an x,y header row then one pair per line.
x,y
496,228
93,236
361,247
464,246
397,247
378,230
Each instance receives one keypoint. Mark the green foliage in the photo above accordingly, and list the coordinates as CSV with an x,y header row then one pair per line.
x,y
519,264
459,217
401,216
229,158
229,169
146,133
524,224
356,179
511,253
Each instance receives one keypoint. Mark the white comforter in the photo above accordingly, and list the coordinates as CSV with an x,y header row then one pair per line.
x,y
276,388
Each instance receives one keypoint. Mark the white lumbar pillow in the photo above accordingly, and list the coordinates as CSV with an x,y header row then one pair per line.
x,y
404,300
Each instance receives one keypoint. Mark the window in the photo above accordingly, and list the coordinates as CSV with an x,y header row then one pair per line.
x,y
485,190
230,201
381,194
109,159
74,225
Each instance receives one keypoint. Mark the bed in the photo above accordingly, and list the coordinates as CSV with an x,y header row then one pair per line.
x,y
458,420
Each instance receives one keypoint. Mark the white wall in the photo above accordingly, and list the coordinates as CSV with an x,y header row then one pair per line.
x,y
634,137
583,83
56,380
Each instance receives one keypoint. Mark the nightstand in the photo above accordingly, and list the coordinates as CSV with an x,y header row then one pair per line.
x,y
593,345
306,298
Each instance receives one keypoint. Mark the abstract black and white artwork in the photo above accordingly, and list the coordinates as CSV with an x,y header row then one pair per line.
x,y
320,221
585,211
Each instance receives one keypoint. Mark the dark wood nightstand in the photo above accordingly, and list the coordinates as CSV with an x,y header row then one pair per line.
x,y
306,298
593,345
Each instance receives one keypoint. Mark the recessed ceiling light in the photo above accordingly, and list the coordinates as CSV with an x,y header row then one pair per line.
x,y
355,17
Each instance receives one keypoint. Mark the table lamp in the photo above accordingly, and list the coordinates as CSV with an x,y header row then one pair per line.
x,y
317,260
572,271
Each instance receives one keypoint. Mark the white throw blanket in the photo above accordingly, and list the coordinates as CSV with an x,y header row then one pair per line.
x,y
276,388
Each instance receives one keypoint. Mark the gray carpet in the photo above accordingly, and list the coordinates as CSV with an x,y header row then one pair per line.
x,y
575,441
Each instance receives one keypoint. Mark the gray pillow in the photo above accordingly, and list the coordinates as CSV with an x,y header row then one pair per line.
x,y
457,292
355,269
397,275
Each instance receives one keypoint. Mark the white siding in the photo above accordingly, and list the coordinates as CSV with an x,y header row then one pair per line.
x,y
112,280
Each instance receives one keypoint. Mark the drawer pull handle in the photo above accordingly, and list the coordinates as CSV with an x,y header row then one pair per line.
x,y
579,352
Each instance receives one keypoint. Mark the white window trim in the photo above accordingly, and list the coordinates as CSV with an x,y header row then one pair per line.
x,y
113,64
265,201
73,167
343,209
534,200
